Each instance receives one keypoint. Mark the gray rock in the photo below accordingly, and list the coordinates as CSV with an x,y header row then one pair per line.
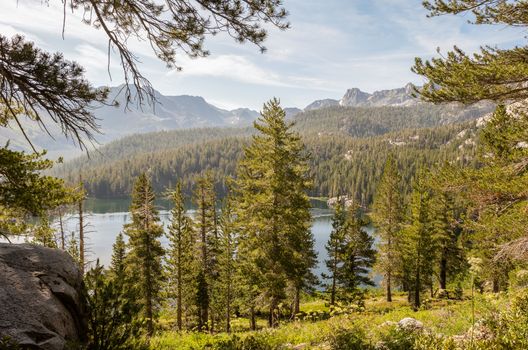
x,y
394,97
410,324
41,298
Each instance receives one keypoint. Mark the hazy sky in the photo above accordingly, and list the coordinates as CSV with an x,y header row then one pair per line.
x,y
333,45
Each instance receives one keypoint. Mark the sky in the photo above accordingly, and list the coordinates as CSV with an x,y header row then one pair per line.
x,y
333,45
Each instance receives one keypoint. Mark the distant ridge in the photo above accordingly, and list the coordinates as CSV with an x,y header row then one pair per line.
x,y
186,112
394,97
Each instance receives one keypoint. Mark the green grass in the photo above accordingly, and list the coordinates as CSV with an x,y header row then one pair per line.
x,y
447,317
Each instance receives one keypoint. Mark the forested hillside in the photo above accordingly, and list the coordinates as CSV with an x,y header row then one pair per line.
x,y
348,148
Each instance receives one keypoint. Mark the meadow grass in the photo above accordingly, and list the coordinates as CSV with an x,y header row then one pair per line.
x,y
446,317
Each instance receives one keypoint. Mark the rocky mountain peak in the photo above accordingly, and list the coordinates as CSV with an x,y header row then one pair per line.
x,y
354,97
392,97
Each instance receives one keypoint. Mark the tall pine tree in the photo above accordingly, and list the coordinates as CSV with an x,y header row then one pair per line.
x,y
359,254
387,215
143,261
207,231
335,248
226,260
418,242
180,256
273,208
351,254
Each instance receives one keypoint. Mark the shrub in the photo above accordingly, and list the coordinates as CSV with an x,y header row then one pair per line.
x,y
395,338
510,328
352,338
6,343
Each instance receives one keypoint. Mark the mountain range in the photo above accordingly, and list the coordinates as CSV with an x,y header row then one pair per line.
x,y
184,112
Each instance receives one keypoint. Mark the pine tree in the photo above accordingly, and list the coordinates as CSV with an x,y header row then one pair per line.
x,y
498,193
73,248
143,262
491,74
112,323
226,260
44,234
418,242
118,263
273,209
350,253
180,259
335,248
387,217
207,230
447,226
358,255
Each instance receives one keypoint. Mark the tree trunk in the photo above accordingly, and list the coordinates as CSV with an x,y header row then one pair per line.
x,y
252,319
334,272
443,271
228,313
205,310
297,302
179,306
228,297
272,320
270,316
417,290
63,243
496,285
211,330
389,292
81,237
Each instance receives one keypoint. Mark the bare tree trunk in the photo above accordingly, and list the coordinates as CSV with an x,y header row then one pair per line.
x,y
81,236
61,226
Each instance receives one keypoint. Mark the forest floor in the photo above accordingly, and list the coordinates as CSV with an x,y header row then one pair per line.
x,y
319,327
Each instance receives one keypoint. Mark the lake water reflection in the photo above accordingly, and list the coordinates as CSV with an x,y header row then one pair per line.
x,y
107,218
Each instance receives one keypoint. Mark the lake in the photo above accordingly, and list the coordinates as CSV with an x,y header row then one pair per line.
x,y
106,219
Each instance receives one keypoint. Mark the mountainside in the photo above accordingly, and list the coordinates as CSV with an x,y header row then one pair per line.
x,y
168,113
355,140
186,112
357,162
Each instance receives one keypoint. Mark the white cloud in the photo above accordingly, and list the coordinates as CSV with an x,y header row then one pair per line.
x,y
229,66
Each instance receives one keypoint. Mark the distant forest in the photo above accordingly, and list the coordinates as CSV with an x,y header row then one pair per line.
x,y
352,142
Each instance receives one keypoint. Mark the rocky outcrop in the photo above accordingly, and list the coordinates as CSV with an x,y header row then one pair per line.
x,y
355,98
328,102
41,300
394,97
